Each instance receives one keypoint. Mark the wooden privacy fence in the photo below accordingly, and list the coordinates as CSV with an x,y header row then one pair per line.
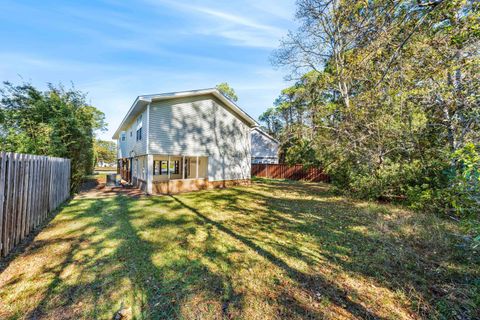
x,y
31,187
295,172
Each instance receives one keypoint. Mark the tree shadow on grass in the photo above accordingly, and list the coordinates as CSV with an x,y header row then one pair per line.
x,y
173,257
106,263
312,283
359,239
414,253
25,244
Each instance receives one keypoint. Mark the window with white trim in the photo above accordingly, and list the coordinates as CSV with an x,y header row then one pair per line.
x,y
160,167
139,134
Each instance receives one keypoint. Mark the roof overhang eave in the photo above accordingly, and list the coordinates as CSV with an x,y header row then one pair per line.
x,y
139,102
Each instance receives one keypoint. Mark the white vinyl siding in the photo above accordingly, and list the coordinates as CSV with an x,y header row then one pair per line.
x,y
201,126
131,144
263,148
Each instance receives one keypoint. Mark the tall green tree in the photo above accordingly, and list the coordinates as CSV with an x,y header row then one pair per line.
x,y
391,94
228,91
56,122
105,151
271,121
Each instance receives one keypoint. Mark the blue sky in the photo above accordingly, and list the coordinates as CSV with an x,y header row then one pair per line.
x,y
116,50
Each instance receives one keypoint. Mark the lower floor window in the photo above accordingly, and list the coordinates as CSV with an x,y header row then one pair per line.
x,y
160,167
175,167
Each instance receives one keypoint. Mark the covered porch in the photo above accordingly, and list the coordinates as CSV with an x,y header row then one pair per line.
x,y
124,168
176,173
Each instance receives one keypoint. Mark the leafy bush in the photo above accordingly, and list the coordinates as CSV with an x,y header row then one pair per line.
x,y
466,182
57,122
301,152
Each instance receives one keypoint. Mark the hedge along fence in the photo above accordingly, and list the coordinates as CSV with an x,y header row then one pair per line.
x,y
295,172
31,187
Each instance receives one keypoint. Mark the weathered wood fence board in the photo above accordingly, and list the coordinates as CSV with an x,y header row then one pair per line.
x,y
31,187
283,171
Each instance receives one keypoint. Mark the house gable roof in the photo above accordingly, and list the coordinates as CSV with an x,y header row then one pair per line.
x,y
259,130
142,101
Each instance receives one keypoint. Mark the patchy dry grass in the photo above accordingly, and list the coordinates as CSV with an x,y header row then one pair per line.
x,y
273,250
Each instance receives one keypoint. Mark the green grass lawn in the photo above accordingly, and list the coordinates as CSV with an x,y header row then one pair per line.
x,y
273,250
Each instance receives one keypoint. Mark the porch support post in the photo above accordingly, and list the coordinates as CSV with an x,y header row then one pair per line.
x,y
149,174
168,167
196,169
183,168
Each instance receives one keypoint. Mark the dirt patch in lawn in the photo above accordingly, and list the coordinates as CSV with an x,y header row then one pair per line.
x,y
95,188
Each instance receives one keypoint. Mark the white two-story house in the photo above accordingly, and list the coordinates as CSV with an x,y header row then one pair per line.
x,y
184,141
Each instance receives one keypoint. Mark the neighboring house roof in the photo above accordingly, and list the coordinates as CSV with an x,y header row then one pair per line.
x,y
141,101
265,134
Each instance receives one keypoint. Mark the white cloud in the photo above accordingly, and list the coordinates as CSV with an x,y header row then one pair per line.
x,y
235,19
240,30
282,9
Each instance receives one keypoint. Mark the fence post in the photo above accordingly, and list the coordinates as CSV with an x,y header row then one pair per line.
x,y
3,162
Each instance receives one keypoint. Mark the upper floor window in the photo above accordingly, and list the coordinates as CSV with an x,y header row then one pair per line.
x,y
122,137
139,134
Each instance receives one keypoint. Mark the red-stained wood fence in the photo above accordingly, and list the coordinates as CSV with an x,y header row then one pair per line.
x,y
31,187
295,172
